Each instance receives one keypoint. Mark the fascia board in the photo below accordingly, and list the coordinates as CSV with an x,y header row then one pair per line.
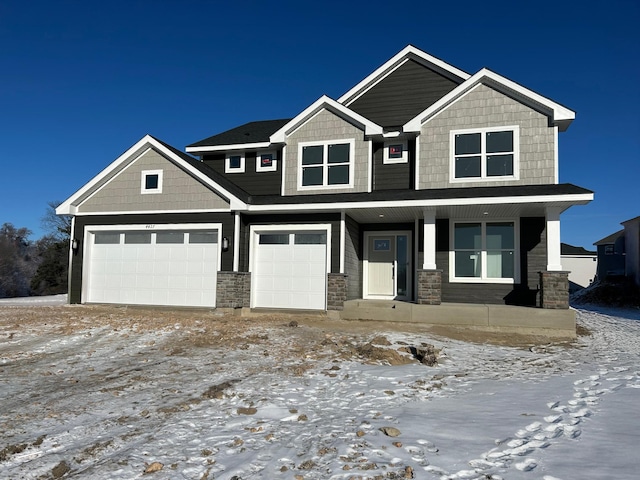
x,y
370,128
561,114
223,148
390,64
573,199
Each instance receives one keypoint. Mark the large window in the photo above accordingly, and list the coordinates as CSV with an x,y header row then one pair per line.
x,y
484,251
490,153
326,164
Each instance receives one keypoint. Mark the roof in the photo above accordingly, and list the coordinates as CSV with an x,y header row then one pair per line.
x,y
249,133
566,249
631,220
610,239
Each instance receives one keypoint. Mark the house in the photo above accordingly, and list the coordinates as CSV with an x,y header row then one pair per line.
x,y
422,184
581,264
619,253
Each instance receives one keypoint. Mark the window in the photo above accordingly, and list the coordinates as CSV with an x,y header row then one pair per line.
x,y
137,238
107,238
490,153
234,163
484,251
395,152
274,239
151,181
170,237
203,236
266,162
609,250
326,164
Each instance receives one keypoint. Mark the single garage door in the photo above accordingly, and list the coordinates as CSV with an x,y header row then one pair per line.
x,y
290,270
169,267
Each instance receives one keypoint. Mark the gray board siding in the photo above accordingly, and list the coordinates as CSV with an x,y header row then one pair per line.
x,y
353,258
393,176
403,94
75,285
251,181
533,258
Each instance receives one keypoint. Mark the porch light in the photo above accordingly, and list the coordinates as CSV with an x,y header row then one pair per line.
x,y
74,245
225,244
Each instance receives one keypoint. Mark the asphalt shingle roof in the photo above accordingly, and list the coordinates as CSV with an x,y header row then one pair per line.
x,y
252,132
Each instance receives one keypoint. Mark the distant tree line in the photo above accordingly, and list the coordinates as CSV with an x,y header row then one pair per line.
x,y
35,267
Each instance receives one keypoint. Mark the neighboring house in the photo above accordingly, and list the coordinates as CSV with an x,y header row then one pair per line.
x,y
422,183
619,253
581,265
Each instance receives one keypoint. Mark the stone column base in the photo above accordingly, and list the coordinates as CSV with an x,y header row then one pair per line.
x,y
336,290
233,289
429,287
555,290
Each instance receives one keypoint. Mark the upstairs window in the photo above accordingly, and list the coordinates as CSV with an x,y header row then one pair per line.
x,y
234,163
485,154
326,164
395,152
266,162
151,181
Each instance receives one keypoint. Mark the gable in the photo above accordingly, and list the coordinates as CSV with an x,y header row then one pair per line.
x,y
180,191
402,94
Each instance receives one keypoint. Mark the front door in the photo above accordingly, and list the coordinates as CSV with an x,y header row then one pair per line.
x,y
387,266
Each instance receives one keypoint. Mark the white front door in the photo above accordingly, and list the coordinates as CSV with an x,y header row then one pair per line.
x,y
387,266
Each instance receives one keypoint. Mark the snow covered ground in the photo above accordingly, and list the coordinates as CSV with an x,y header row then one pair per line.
x,y
101,394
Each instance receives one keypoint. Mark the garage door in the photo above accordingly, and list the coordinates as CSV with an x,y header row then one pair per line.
x,y
290,270
169,267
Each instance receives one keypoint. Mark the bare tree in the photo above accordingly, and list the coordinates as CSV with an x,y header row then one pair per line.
x,y
57,226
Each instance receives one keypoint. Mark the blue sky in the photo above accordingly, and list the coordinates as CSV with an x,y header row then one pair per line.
x,y
80,82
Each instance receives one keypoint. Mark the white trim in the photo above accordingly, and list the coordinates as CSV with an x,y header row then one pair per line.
x,y
69,207
370,168
429,247
561,116
483,252
556,161
416,255
224,148
71,255
554,252
391,65
365,264
139,212
236,241
274,161
227,162
143,182
417,164
483,154
322,103
325,164
152,227
343,239
405,152
283,177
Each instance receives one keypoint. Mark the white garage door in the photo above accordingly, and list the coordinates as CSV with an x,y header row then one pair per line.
x,y
169,267
290,270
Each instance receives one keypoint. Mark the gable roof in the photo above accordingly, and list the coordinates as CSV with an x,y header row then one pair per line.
x,y
192,166
326,103
559,114
566,249
610,239
249,135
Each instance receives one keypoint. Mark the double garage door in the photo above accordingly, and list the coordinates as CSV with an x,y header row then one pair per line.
x,y
289,270
145,267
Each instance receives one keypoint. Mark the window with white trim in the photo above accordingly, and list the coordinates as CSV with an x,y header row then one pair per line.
x,y
234,163
395,152
485,154
266,162
326,164
151,181
484,251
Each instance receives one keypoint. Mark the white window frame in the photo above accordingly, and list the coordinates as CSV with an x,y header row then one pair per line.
x,y
143,182
227,162
325,164
274,164
405,153
483,154
483,252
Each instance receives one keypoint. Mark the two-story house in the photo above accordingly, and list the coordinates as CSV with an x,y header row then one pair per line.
x,y
422,184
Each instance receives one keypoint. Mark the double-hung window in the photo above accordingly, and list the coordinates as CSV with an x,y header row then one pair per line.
x,y
484,251
326,164
485,154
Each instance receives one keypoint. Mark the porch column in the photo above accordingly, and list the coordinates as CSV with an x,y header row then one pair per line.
x,y
429,245
554,263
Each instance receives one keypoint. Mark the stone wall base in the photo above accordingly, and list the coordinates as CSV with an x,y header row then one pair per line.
x,y
336,290
429,287
555,290
233,289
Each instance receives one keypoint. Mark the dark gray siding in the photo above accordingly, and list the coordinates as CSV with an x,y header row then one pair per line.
x,y
296,219
533,250
353,258
252,182
394,176
75,286
403,94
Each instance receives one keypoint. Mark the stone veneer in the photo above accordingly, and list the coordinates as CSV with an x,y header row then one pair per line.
x,y
336,290
429,287
233,289
555,290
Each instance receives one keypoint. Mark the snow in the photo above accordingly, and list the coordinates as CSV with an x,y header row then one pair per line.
x,y
111,401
